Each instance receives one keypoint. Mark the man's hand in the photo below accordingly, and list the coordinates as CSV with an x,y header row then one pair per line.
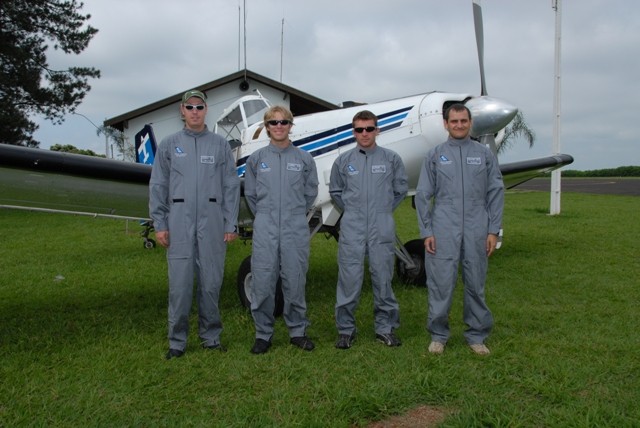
x,y
228,237
492,241
162,237
430,244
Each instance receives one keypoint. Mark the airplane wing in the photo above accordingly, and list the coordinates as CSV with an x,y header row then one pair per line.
x,y
515,173
44,180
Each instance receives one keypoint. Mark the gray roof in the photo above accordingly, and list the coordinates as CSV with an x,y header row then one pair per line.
x,y
300,102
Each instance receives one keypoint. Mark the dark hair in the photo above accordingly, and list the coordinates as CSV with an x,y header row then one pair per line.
x,y
365,115
456,107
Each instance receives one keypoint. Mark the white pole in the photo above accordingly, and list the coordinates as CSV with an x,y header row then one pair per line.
x,y
555,175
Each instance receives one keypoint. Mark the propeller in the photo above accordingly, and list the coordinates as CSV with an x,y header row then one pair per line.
x,y
490,115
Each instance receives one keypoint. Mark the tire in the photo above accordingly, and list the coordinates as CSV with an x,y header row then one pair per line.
x,y
244,288
149,244
417,276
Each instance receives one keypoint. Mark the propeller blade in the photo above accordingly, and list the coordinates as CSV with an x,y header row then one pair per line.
x,y
477,21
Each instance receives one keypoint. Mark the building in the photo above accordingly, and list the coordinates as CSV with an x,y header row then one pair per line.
x,y
164,115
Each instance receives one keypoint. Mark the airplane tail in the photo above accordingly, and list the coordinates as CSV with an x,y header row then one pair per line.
x,y
145,145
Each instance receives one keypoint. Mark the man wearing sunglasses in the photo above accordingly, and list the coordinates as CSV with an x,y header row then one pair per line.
x,y
194,196
368,183
280,187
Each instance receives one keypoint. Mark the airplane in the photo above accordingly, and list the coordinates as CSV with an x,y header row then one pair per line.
x,y
43,180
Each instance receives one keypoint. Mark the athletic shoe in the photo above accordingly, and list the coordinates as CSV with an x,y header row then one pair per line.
x,y
388,339
303,342
345,341
260,346
174,353
436,348
480,349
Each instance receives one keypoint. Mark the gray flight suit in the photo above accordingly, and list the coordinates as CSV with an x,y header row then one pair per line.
x,y
367,185
194,193
459,200
280,187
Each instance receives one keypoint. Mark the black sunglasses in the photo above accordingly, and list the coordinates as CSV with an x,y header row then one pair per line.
x,y
284,122
368,129
191,106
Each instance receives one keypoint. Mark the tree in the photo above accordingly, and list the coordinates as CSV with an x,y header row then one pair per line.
x,y
127,150
517,128
27,84
69,148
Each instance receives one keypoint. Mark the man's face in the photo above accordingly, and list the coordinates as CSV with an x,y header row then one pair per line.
x,y
279,132
366,138
458,125
194,111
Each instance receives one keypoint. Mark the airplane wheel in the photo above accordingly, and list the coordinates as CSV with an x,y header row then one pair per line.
x,y
244,288
149,244
417,276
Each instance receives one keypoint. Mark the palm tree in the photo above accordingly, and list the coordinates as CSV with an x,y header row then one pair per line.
x,y
517,128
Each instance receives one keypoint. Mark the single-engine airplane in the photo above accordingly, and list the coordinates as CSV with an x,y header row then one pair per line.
x,y
44,180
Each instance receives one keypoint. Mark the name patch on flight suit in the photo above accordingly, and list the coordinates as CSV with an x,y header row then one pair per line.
x,y
294,167
351,170
180,153
378,169
207,159
264,167
474,161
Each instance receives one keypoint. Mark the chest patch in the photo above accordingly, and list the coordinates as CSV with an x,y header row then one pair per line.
x,y
294,167
263,167
444,160
207,159
180,153
378,169
474,161
351,170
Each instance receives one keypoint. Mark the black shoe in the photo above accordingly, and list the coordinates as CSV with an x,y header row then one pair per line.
x,y
345,341
260,346
388,339
216,347
303,342
174,353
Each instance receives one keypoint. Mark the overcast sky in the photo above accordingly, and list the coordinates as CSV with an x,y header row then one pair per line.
x,y
372,50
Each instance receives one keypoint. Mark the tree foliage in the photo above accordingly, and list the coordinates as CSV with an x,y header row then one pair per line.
x,y
28,28
517,128
69,148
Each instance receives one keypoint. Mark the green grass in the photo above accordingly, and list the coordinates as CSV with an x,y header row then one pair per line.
x,y
83,333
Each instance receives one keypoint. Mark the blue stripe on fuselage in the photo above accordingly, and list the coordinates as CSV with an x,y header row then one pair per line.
x,y
326,141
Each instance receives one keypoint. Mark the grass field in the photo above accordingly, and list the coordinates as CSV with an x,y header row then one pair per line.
x,y
83,333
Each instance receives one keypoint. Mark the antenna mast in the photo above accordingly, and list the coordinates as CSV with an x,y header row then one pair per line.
x,y
281,48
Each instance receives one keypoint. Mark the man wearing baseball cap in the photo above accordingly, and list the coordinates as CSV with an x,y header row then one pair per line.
x,y
194,196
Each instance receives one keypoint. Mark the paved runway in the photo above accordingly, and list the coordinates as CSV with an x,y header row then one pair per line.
x,y
603,186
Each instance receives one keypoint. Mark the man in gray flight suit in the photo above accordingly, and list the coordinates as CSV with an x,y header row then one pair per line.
x,y
368,183
280,187
459,202
194,196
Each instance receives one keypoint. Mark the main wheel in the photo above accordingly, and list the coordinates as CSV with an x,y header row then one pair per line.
x,y
416,276
244,288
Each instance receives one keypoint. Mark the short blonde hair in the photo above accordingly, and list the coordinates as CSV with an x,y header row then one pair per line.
x,y
271,112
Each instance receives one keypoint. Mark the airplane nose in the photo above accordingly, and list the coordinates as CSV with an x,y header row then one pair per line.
x,y
489,115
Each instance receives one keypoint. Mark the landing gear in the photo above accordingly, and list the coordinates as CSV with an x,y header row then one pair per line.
x,y
410,263
148,243
244,288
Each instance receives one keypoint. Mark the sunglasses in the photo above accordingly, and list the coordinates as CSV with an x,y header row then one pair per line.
x,y
368,129
191,106
284,122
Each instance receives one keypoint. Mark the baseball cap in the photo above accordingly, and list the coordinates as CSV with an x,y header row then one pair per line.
x,y
193,93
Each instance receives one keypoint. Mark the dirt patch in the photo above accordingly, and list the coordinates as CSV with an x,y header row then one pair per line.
x,y
423,416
